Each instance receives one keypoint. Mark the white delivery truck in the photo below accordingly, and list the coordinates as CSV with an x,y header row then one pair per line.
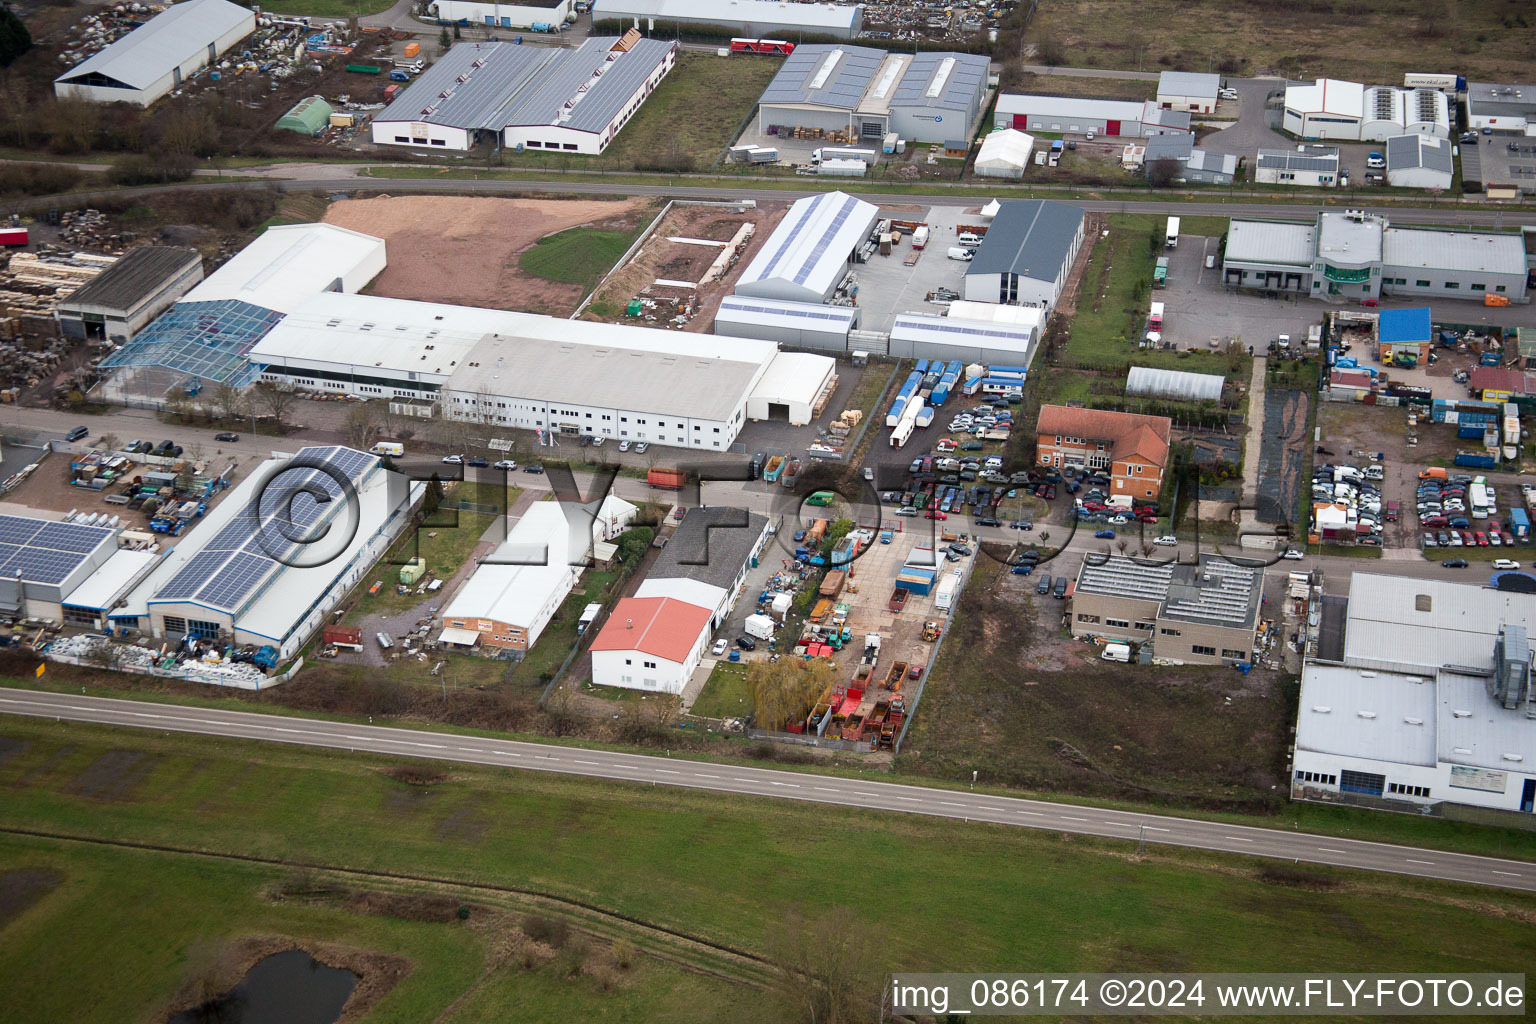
x,y
394,448
1173,232
760,626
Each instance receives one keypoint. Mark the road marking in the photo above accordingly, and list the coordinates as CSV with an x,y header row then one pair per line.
x,y
1325,849
1068,817
1154,828
704,776
1410,860
1237,839
434,746
1033,814
908,799
1508,874
471,750
667,771
824,789
748,781
594,764
789,785
951,803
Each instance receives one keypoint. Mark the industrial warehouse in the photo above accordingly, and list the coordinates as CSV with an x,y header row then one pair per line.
x,y
769,18
1431,702
1073,115
524,97
1349,111
159,55
808,254
536,14
1360,255
867,93
1205,614
1026,254
285,310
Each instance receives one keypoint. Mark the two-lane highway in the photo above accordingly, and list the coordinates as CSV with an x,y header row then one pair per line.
x,y
768,782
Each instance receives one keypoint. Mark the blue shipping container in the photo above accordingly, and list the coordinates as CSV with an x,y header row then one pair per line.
x,y
1519,523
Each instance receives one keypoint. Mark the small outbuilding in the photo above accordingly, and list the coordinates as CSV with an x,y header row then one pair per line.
x,y
1420,161
121,301
309,116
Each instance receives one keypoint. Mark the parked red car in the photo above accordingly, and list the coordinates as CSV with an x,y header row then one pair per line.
x,y
935,514
1482,539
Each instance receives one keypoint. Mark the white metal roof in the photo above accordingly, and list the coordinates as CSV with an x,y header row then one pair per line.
x,y
1188,83
810,247
1267,241
110,579
289,263
1494,253
997,313
1327,96
1147,380
1008,149
1483,738
798,316
1387,630
925,329
757,12
166,41
1067,107
518,579
1382,716
794,377
1343,238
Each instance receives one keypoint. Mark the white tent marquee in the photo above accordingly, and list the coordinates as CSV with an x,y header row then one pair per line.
x,y
1005,154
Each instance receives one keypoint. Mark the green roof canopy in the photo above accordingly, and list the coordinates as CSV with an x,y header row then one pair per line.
x,y
309,116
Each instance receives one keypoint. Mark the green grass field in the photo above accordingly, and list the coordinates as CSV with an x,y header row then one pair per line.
x,y
951,896
577,256
1366,41
326,9
725,694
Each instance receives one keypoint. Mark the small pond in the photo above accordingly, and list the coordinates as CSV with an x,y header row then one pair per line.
x,y
291,987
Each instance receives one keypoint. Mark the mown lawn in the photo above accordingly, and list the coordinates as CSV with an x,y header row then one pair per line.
x,y
577,256
954,896
726,693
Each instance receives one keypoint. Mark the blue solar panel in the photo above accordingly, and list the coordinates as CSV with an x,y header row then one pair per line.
x,y
70,537
792,234
825,240
205,339
239,576
40,566
17,530
192,576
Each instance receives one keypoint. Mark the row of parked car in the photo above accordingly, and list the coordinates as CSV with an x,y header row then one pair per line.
x,y
1444,502
1359,490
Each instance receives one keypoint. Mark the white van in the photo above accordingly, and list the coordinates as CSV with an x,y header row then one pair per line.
x,y
969,240
394,448
963,255
1116,652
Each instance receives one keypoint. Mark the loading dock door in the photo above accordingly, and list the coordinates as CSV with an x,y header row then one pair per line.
x,y
1021,121
1111,127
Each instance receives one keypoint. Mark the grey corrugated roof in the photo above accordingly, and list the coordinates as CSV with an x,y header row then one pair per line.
x,y
1205,160
1216,592
1408,151
1496,99
132,278
167,40
1296,160
844,87
1188,83
488,90
710,545
1169,147
1029,237
967,78
561,82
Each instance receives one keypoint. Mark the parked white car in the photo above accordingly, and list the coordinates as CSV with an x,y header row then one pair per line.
x,y
1505,563
1167,541
719,648
1293,554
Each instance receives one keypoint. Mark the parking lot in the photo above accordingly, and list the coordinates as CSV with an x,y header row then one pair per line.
x,y
887,286
1197,307
1501,157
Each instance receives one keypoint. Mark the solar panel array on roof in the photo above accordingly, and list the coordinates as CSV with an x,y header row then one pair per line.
x,y
825,75
39,551
242,557
205,339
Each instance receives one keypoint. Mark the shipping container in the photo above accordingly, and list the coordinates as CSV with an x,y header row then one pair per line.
x,y
12,237
342,636
413,49
667,479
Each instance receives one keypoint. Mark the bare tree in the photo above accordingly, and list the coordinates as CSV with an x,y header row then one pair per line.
x,y
1163,173
274,401
361,423
830,968
230,402
109,442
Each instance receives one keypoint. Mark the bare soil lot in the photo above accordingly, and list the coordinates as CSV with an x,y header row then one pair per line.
x,y
681,261
464,250
1018,701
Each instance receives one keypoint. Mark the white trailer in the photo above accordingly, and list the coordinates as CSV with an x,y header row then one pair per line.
x,y
944,595
760,626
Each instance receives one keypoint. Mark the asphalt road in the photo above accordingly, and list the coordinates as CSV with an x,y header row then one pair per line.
x,y
766,782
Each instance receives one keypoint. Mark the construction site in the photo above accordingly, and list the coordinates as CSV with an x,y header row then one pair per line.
x,y
687,261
